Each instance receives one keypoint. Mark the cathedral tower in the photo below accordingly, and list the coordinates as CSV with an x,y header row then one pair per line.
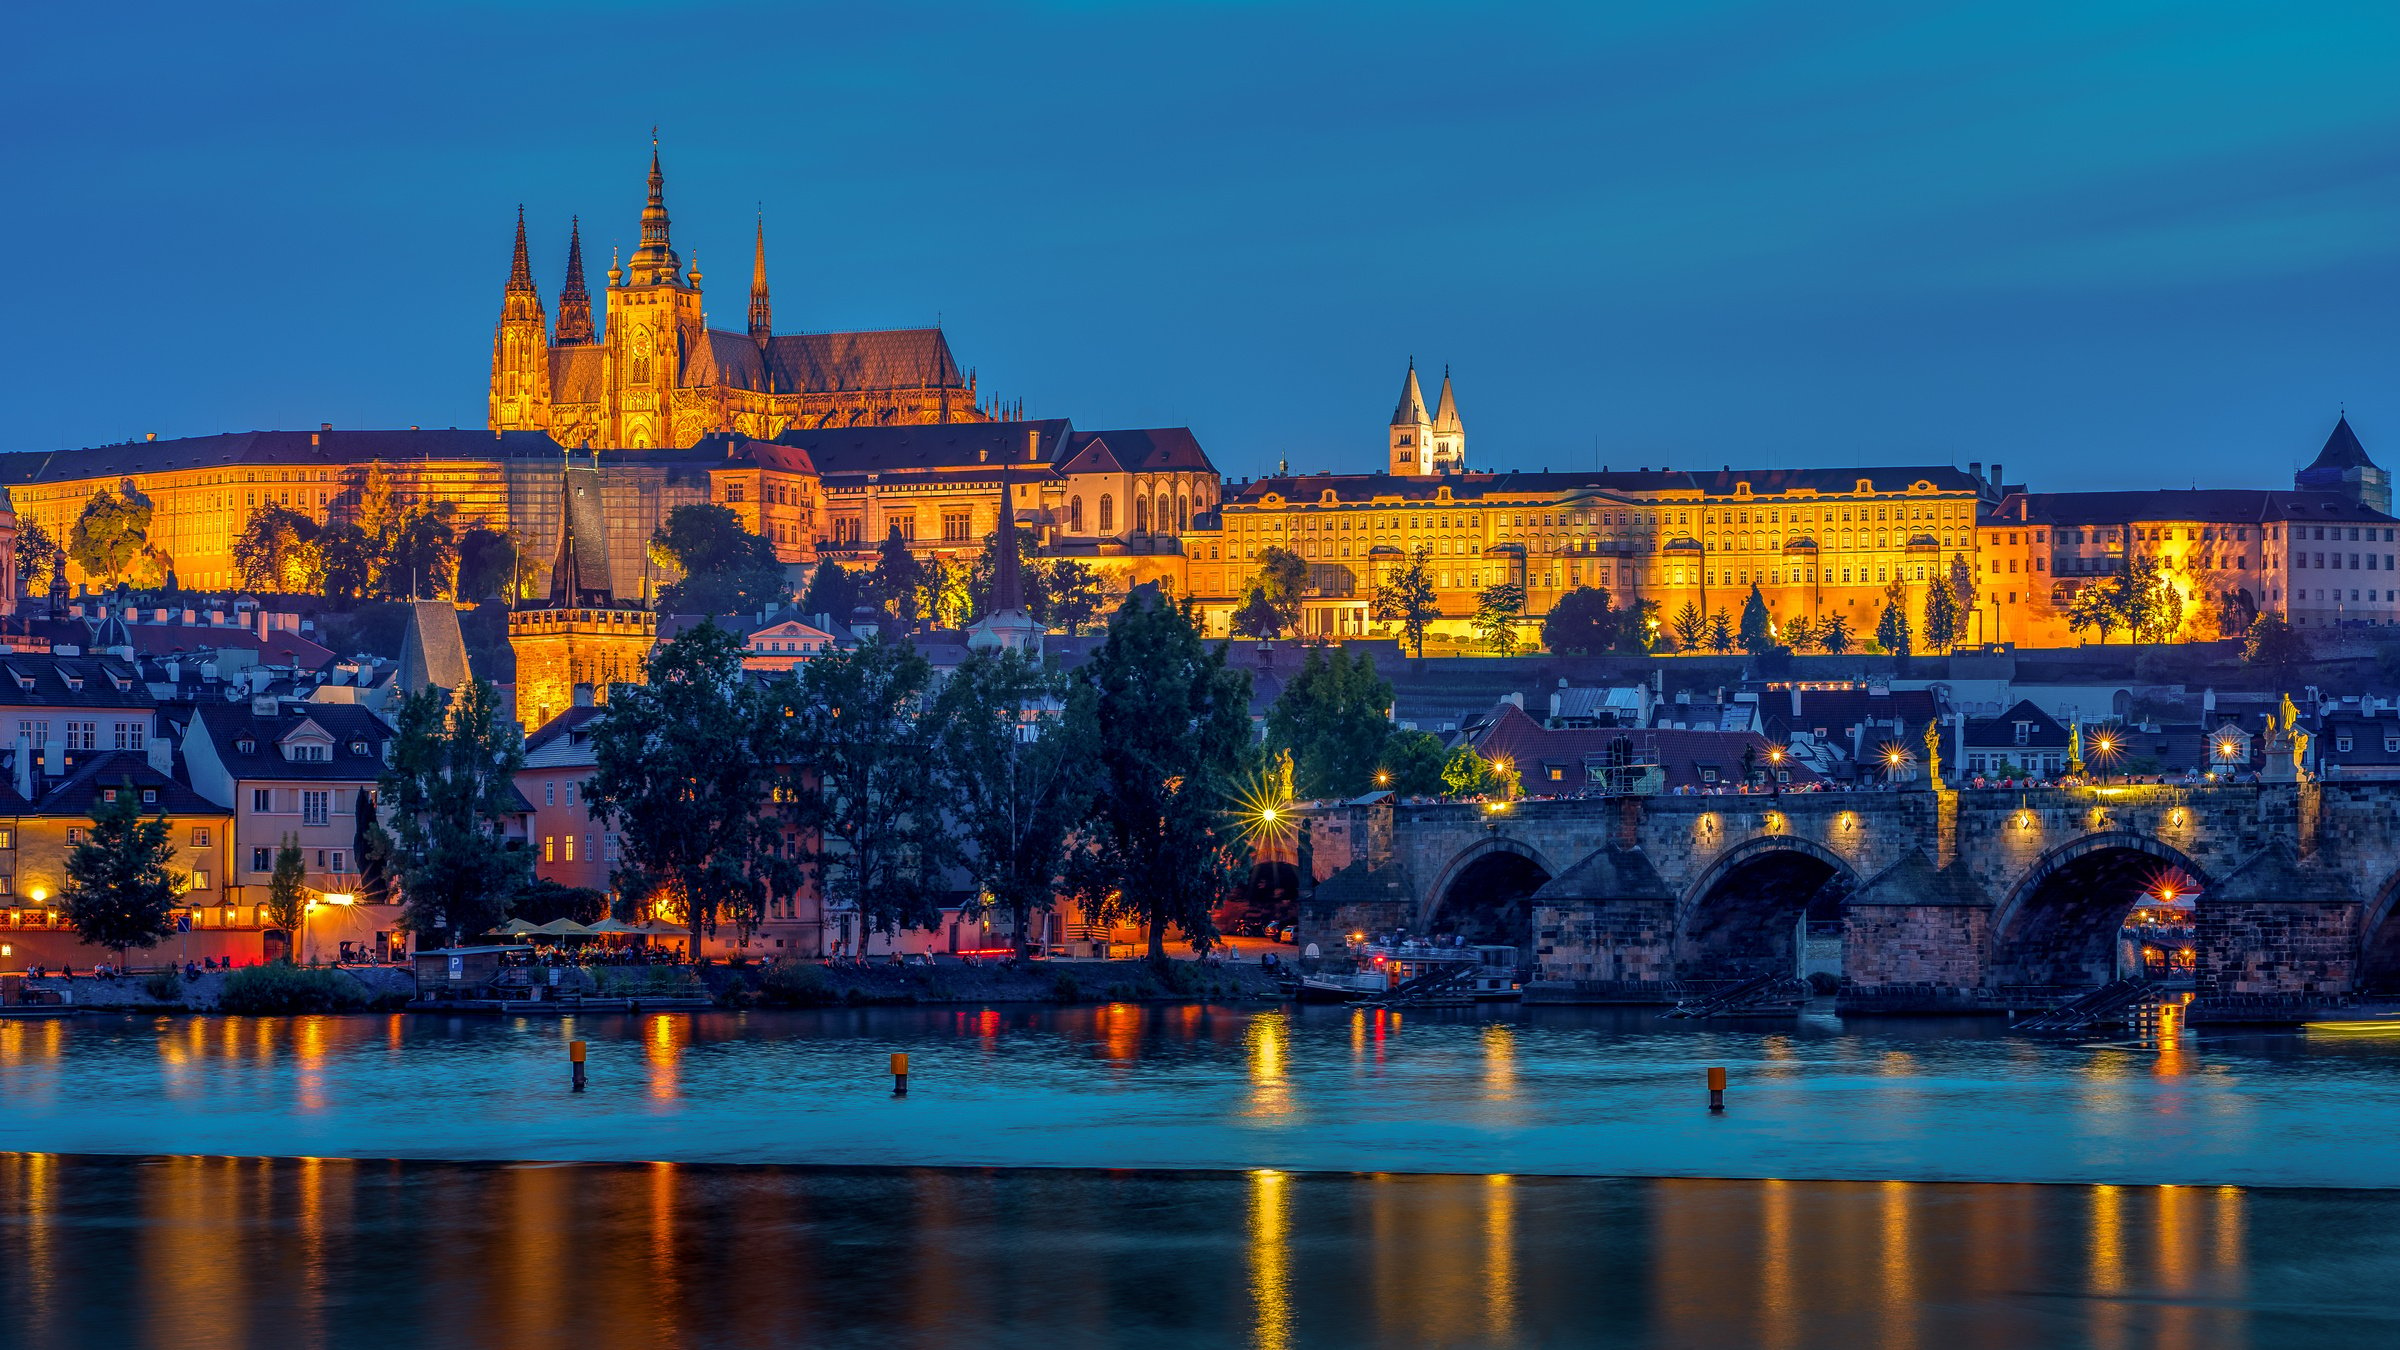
x,y
574,302
654,327
2343,467
1412,430
1449,453
762,315
520,396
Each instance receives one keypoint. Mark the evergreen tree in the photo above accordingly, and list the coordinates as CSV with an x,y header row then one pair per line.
x,y
1169,727
287,895
834,593
1407,598
1758,631
1497,609
1799,633
1690,627
2273,645
1015,778
680,776
449,793
373,849
1333,719
1962,593
1722,636
1891,628
1833,634
1076,595
864,785
121,891
897,580
1582,621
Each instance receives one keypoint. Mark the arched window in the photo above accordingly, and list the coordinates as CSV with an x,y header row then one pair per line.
x,y
1183,513
1075,515
1141,515
1108,514
1166,513
641,356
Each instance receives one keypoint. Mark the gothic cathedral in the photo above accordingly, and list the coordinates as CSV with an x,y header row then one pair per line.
x,y
655,374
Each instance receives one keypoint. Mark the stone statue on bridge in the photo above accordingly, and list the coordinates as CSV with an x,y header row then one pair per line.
x,y
1933,754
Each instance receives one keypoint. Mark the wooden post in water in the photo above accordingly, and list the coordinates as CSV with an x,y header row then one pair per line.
x,y
1716,1089
575,1057
899,1074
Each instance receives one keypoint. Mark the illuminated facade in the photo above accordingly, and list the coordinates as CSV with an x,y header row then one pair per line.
x,y
648,370
585,638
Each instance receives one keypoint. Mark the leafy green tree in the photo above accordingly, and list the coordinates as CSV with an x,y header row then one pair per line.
x,y
1333,717
1962,592
1412,764
679,774
421,561
1407,598
37,555
1282,578
2273,645
1169,726
725,569
277,551
1015,779
121,888
2094,608
1690,627
832,592
1258,618
1468,773
1583,620
944,596
2150,603
1757,630
1641,630
1076,594
862,781
111,534
898,579
1033,572
1941,616
1722,635
346,561
448,795
493,564
1891,628
287,895
1833,634
1799,633
1497,609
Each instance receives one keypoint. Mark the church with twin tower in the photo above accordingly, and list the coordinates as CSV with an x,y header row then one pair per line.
x,y
648,371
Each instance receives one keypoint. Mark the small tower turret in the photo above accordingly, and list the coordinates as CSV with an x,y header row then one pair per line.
x,y
1412,429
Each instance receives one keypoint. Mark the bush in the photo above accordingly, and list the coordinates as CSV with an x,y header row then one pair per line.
x,y
1065,989
277,989
164,985
796,986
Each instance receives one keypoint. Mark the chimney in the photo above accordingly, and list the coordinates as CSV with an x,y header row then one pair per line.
x,y
161,753
54,760
264,705
1975,469
1033,445
583,696
2208,706
1996,480
24,767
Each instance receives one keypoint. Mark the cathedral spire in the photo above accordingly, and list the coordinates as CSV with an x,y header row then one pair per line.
x,y
520,302
655,260
762,316
1445,414
574,302
520,267
1411,411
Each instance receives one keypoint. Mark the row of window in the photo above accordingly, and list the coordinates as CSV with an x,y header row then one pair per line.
x,y
84,735
561,847
314,805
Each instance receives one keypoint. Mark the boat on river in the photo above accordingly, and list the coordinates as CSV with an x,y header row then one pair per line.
x,y
1365,984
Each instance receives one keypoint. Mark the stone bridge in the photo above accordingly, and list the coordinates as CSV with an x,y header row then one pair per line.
x,y
1977,896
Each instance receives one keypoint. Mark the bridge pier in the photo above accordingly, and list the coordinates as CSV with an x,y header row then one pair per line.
x,y
2276,936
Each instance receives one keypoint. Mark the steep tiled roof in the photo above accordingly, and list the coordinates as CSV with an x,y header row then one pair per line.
x,y
2228,506
79,792
433,652
2342,450
576,373
835,362
1151,450
1360,487
232,725
70,682
1681,755
944,445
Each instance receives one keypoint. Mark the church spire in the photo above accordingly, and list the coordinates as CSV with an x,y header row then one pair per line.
x,y
1445,413
1411,411
520,267
655,260
521,303
1008,574
574,302
762,316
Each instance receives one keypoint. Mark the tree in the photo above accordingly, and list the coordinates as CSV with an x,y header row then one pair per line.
x,y
1169,726
1282,577
111,534
1833,634
287,895
1721,633
2147,601
121,890
1962,591
1497,609
277,551
1892,631
2094,607
493,564
832,592
1407,598
1758,631
373,849
1799,633
1639,631
679,775
421,562
944,597
860,774
897,580
37,555
725,569
1412,763
1033,572
1076,594
1258,618
1941,616
448,795
1467,773
1333,719
1690,627
1581,621
2273,645
1015,778
346,561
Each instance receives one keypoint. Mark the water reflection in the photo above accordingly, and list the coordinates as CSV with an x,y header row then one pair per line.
x,y
1269,1043
193,1253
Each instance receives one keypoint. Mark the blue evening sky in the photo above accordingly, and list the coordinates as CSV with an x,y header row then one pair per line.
x,y
2104,243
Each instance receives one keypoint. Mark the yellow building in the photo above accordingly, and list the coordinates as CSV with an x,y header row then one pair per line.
x,y
585,636
651,372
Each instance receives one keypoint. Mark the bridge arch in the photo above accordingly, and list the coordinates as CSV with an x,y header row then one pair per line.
x,y
2379,942
1741,915
2058,925
1486,892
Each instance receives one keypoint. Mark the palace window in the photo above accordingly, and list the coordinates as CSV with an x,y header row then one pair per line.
x,y
1108,513
954,526
1075,515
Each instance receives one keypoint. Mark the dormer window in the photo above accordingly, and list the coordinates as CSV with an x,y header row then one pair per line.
x,y
2342,743
246,746
358,747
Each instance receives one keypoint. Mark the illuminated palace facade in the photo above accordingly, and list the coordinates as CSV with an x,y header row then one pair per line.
x,y
646,370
